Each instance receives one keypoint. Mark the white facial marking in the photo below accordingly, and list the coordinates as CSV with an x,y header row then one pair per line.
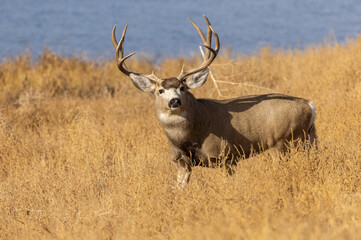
x,y
170,94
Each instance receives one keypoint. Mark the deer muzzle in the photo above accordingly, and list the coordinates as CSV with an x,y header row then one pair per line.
x,y
174,103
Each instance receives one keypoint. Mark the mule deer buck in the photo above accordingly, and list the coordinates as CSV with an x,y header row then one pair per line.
x,y
201,130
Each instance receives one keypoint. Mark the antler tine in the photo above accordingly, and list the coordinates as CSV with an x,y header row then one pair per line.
x,y
198,30
114,39
207,40
210,54
200,34
209,35
119,49
217,43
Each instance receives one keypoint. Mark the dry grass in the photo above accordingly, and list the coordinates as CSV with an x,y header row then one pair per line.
x,y
82,155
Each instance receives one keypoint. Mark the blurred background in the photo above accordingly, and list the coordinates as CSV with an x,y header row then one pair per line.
x,y
160,28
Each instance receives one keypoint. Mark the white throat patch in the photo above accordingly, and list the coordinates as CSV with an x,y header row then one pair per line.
x,y
170,118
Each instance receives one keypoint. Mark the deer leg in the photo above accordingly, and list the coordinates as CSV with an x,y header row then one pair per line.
x,y
183,164
277,149
230,165
184,171
313,137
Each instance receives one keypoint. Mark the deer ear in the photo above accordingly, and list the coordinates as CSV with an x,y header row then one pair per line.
x,y
143,83
197,79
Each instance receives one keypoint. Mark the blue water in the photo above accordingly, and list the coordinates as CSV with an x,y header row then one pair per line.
x,y
160,28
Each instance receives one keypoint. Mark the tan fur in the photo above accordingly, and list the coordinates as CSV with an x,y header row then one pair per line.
x,y
251,123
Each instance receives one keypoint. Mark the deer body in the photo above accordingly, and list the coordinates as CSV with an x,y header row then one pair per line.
x,y
245,125
210,132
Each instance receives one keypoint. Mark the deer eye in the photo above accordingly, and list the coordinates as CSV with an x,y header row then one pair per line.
x,y
182,89
161,91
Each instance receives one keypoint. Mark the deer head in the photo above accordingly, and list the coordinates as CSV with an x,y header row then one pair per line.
x,y
170,93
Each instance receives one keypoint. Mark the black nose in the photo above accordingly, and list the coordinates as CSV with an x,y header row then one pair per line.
x,y
174,103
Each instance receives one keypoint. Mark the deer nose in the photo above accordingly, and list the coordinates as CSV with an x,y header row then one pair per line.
x,y
174,103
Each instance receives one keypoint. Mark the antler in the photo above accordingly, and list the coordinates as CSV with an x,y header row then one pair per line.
x,y
119,48
211,53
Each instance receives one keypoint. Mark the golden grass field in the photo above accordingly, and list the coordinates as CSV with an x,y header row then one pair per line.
x,y
82,155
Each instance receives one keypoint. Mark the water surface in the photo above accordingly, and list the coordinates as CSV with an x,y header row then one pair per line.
x,y
160,28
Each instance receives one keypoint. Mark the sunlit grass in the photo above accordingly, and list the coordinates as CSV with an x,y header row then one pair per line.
x,y
83,156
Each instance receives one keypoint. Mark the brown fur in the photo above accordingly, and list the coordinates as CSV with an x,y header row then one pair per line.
x,y
170,83
237,127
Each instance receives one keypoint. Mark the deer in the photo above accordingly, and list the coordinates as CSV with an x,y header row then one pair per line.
x,y
209,132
